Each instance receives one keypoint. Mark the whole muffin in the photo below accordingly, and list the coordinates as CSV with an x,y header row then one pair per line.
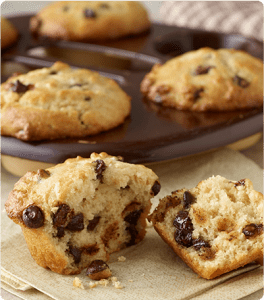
x,y
90,20
82,210
61,102
9,33
207,80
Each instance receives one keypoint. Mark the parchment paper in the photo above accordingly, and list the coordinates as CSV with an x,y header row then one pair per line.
x,y
151,271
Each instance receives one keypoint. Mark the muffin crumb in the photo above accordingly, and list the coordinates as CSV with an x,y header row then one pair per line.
x,y
78,283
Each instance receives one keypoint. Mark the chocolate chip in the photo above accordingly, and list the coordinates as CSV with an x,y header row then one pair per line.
x,y
19,87
203,70
252,229
133,233
53,73
132,218
93,223
241,81
89,13
104,5
184,229
96,266
240,182
156,188
90,250
87,98
197,93
199,243
43,173
33,217
60,232
76,253
99,169
188,199
60,218
76,223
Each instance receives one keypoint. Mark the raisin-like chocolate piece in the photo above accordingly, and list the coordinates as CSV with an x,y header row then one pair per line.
x,y
240,182
188,199
33,217
202,70
61,216
89,13
96,266
252,229
133,217
99,169
199,243
241,81
76,253
87,98
197,94
93,223
19,87
156,188
60,232
76,223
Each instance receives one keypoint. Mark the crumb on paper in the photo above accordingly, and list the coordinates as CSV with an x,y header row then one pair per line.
x,y
113,279
93,284
121,258
117,285
130,280
78,283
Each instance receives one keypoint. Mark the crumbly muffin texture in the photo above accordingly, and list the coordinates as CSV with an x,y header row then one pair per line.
x,y
90,20
61,102
82,210
9,33
215,227
207,80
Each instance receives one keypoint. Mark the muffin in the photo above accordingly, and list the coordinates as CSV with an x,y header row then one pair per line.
x,y
9,33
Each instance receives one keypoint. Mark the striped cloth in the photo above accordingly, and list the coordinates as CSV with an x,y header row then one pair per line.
x,y
244,17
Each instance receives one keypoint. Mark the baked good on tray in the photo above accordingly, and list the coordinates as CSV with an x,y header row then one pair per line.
x,y
9,33
60,102
82,210
90,20
215,227
207,80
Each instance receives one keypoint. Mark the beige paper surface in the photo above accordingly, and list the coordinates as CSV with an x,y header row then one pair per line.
x,y
155,270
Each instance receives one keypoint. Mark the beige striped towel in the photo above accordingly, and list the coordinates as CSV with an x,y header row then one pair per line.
x,y
244,17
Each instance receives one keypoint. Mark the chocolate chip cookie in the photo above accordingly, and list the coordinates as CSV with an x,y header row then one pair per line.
x,y
61,102
207,80
90,20
215,227
82,210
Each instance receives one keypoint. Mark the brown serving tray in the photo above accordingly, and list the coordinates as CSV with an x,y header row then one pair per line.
x,y
152,133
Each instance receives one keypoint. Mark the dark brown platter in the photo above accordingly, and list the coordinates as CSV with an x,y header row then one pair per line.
x,y
151,133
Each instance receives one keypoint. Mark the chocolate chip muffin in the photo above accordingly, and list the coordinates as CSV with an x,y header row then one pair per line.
x,y
215,227
82,210
90,20
9,33
207,80
61,102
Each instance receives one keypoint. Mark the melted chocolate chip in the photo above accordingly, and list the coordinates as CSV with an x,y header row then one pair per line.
x,y
19,87
53,73
132,218
96,266
184,229
76,253
133,233
197,93
99,169
156,188
202,70
90,250
241,81
76,223
61,216
89,13
33,217
188,199
87,98
240,182
199,243
43,173
93,223
252,229
60,232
